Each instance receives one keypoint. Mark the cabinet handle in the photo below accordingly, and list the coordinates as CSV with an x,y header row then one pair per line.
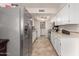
x,y
69,6
60,44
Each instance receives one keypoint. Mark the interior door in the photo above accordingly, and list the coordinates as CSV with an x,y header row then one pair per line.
x,y
42,28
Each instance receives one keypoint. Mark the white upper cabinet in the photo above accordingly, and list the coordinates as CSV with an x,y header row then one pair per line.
x,y
58,19
74,13
63,16
69,14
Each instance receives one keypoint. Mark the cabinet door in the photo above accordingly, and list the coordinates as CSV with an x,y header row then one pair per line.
x,y
63,16
68,47
58,19
58,46
74,13
52,39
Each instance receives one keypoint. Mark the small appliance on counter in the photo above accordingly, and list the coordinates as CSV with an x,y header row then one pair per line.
x,y
65,32
56,28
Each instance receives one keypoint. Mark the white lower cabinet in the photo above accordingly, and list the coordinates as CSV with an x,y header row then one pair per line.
x,y
69,47
56,43
33,36
65,45
57,46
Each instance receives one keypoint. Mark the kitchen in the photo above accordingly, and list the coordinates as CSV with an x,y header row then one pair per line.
x,y
40,29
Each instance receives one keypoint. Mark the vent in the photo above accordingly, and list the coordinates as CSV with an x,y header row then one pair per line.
x,y
41,10
14,4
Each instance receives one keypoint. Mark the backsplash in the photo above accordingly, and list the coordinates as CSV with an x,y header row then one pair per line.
x,y
71,27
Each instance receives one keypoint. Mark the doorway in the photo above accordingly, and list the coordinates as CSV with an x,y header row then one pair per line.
x,y
42,28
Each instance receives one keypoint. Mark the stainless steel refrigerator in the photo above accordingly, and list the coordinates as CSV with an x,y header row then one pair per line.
x,y
16,25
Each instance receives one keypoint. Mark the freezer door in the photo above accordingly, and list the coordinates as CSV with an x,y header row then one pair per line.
x,y
10,29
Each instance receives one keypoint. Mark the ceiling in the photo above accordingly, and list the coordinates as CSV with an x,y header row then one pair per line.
x,y
47,7
43,9
40,5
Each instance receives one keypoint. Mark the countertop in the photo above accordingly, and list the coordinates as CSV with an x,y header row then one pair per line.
x,y
60,34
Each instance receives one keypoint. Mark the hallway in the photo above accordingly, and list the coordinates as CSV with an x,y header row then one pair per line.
x,y
42,47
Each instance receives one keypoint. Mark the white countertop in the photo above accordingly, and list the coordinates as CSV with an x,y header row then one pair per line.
x,y
60,34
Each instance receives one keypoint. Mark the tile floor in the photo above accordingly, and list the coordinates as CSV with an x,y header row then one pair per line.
x,y
42,47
